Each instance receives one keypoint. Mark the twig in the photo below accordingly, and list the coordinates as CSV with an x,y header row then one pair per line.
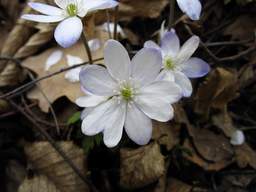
x,y
108,26
115,21
87,48
54,145
171,14
225,43
26,86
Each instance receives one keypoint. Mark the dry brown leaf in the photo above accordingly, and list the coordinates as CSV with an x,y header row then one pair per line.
x,y
141,166
175,185
48,162
212,147
206,165
166,134
62,87
38,184
245,155
219,89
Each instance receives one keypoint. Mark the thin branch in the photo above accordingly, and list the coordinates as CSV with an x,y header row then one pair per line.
x,y
54,145
115,21
108,25
171,14
87,48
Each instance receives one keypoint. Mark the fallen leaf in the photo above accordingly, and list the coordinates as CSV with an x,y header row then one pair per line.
x,y
175,185
217,91
38,184
48,162
245,156
62,87
142,166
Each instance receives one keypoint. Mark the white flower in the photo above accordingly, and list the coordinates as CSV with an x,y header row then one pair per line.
x,y
125,94
69,13
73,74
191,7
237,138
53,59
177,64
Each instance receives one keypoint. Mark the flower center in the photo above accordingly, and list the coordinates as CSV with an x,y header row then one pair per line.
x,y
72,9
127,92
168,63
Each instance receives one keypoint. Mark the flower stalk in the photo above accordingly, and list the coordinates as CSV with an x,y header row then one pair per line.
x,y
87,48
171,15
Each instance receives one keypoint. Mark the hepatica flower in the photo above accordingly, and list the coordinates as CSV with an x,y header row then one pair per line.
x,y
125,94
69,14
191,7
178,65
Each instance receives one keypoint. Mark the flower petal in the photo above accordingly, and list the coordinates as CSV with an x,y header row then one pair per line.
x,y
184,83
46,9
165,75
151,44
191,7
73,75
86,112
94,44
187,50
195,67
42,18
155,107
90,100
170,43
113,124
53,59
93,5
137,125
68,32
62,3
96,80
74,60
166,90
237,138
93,122
146,65
117,60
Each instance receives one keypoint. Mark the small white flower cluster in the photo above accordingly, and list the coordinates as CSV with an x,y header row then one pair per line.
x,y
127,94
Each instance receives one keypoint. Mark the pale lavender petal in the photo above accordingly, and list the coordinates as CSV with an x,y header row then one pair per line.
x,y
94,44
184,83
151,44
191,7
42,18
137,125
165,75
90,100
170,43
53,59
195,67
73,75
94,5
46,9
237,138
74,60
96,80
68,32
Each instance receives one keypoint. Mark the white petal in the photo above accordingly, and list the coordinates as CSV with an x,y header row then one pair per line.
x,y
93,122
151,44
63,3
155,107
96,80
68,32
94,5
170,43
53,59
165,75
166,90
195,67
137,125
187,50
146,65
86,112
42,18
117,60
46,9
113,124
237,138
162,30
94,44
90,100
73,75
109,26
191,7
184,83
74,60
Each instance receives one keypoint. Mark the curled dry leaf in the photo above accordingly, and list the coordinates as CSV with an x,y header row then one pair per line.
x,y
218,90
245,156
141,166
166,134
198,160
38,184
62,87
48,162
